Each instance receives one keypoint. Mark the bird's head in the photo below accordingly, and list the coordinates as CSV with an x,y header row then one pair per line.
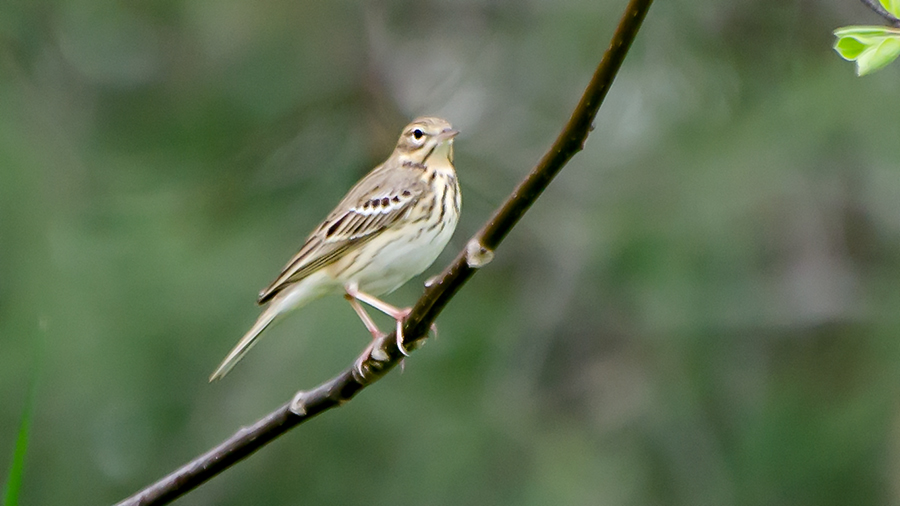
x,y
425,139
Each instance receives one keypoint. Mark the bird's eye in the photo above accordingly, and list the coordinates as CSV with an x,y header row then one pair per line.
x,y
418,133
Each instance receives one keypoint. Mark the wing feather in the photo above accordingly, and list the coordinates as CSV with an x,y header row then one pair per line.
x,y
371,207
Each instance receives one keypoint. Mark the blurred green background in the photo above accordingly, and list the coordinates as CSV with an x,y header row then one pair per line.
x,y
701,310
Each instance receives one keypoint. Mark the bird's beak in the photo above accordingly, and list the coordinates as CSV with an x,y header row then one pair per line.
x,y
447,134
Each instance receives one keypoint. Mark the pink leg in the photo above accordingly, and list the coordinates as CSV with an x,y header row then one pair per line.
x,y
370,325
364,316
395,313
384,307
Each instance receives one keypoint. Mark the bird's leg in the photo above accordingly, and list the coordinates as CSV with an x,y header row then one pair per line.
x,y
397,314
364,316
370,325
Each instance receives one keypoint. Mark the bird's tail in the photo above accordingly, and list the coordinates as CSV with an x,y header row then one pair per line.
x,y
246,342
295,296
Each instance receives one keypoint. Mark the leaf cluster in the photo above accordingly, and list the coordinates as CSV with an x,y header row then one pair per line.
x,y
871,47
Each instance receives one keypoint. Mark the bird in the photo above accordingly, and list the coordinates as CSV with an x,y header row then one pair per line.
x,y
390,227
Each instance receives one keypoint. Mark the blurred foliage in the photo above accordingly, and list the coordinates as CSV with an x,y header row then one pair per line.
x,y
701,310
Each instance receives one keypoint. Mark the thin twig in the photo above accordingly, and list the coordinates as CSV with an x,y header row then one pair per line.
x,y
881,11
386,355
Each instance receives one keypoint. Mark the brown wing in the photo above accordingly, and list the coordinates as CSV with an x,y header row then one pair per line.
x,y
373,205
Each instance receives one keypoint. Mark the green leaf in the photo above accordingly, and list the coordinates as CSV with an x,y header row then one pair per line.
x,y
866,31
16,470
892,6
878,56
14,480
849,48
871,47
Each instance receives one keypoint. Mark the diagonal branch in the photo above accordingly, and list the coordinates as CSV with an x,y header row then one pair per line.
x,y
385,355
881,11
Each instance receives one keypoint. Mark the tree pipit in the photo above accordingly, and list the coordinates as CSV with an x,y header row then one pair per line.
x,y
389,227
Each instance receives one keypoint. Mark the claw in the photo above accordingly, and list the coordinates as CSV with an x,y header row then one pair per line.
x,y
358,365
400,346
400,342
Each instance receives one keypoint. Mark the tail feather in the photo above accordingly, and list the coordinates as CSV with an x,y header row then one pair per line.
x,y
246,342
289,299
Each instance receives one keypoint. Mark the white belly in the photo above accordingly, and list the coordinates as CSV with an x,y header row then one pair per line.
x,y
395,256
403,259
